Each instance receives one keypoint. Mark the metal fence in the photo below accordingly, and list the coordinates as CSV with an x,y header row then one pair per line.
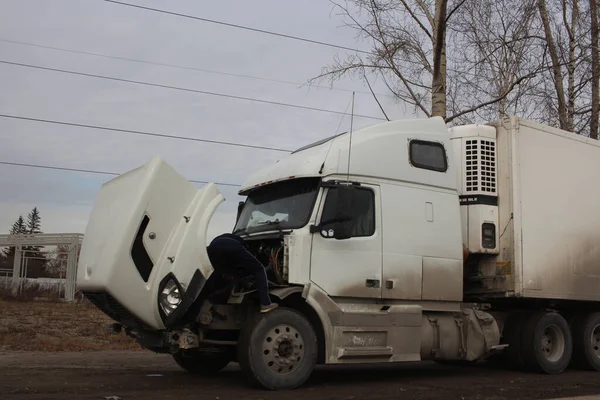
x,y
63,262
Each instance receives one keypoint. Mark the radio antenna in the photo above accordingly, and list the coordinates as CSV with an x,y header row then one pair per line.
x,y
350,140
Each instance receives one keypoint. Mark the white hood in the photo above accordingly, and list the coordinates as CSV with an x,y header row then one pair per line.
x,y
114,265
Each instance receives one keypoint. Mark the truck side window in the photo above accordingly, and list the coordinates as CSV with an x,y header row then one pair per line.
x,y
363,217
428,155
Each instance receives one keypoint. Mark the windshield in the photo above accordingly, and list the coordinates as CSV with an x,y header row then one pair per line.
x,y
282,205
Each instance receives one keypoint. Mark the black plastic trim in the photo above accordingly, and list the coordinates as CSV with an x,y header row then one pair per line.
x,y
473,199
139,254
188,297
115,310
488,242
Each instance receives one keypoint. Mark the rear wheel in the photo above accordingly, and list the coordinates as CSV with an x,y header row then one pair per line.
x,y
586,341
202,363
546,343
278,350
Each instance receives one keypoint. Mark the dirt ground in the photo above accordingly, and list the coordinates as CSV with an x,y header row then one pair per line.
x,y
64,351
144,375
57,326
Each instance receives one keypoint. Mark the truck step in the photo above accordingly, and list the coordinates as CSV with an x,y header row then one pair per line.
x,y
365,352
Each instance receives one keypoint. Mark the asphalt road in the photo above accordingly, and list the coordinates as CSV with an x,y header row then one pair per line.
x,y
144,375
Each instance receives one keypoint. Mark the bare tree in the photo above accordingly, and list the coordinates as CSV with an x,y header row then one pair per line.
x,y
409,48
411,56
595,70
468,60
499,54
566,35
438,79
56,265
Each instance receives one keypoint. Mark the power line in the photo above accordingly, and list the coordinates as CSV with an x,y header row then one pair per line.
x,y
106,128
183,67
92,171
277,103
212,21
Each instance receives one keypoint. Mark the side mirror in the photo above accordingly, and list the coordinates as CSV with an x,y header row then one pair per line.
x,y
239,210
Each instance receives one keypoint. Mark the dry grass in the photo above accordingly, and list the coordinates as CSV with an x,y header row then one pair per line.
x,y
57,326
30,291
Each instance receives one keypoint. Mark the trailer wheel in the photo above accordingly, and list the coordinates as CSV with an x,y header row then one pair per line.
x,y
201,363
546,343
586,341
278,350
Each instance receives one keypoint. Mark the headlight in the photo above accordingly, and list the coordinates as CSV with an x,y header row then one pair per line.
x,y
170,297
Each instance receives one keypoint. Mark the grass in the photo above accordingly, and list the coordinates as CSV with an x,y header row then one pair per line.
x,y
30,291
57,326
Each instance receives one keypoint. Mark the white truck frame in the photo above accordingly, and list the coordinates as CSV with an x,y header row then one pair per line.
x,y
404,241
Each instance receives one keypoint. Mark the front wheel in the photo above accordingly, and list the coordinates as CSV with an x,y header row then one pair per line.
x,y
278,350
202,363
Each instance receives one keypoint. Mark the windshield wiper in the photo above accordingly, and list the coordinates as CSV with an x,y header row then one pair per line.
x,y
276,224
241,230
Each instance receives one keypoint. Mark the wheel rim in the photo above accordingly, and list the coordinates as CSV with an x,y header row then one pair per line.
x,y
553,343
283,349
595,339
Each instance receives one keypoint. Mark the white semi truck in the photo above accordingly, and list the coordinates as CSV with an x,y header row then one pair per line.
x,y
400,242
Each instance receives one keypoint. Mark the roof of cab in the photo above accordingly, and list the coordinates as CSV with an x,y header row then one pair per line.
x,y
379,151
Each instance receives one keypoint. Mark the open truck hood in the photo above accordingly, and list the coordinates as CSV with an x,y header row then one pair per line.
x,y
146,224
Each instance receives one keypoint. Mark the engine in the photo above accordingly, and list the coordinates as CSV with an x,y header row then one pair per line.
x,y
270,253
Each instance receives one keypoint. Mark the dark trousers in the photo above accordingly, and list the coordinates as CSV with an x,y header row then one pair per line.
x,y
227,253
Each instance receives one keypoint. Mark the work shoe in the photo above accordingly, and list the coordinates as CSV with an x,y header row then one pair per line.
x,y
266,309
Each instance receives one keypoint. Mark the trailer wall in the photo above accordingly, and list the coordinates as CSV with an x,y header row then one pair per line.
x,y
549,213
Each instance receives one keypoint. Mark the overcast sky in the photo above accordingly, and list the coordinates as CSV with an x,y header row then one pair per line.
x,y
65,198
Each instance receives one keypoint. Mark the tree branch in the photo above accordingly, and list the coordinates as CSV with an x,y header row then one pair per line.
x,y
426,11
497,99
454,10
375,97
416,19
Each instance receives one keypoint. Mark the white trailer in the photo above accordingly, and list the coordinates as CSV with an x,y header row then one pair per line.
x,y
548,186
404,241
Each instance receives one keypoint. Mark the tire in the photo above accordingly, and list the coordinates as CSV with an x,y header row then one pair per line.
x,y
585,329
511,335
546,343
278,350
201,363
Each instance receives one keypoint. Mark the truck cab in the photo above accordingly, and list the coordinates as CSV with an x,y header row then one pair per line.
x,y
381,221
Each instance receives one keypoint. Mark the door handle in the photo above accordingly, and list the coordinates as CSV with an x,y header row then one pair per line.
x,y
372,283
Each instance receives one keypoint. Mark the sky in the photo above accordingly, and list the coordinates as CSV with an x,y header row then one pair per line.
x,y
65,199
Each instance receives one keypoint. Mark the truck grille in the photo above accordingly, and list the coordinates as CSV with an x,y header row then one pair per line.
x,y
114,309
480,162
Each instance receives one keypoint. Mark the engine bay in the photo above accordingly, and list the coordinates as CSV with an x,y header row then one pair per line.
x,y
271,254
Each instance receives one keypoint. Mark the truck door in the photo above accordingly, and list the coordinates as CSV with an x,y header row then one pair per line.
x,y
349,267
